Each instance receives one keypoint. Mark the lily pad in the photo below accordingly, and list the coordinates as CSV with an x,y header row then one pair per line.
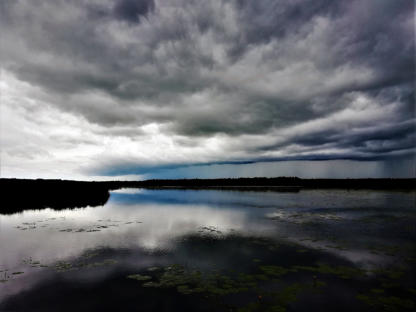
x,y
139,277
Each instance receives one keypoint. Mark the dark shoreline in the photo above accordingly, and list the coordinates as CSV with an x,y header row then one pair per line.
x,y
22,194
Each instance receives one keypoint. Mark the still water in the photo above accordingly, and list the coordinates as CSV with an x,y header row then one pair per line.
x,y
209,250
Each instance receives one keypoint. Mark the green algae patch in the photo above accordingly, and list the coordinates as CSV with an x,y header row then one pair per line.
x,y
5,277
387,303
274,301
193,281
274,270
139,277
289,294
33,264
389,274
217,285
152,269
377,291
90,254
184,289
150,284
253,306
343,272
102,263
63,266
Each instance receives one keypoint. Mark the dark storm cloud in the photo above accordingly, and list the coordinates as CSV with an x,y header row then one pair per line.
x,y
310,78
133,10
160,171
265,20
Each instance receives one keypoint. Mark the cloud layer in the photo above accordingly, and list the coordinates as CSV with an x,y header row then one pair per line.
x,y
104,86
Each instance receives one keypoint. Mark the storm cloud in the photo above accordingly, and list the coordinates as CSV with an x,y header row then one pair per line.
x,y
126,86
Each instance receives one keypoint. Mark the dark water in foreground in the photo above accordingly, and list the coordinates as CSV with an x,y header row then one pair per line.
x,y
170,250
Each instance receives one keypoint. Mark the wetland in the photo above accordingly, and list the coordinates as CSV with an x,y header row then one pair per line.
x,y
214,250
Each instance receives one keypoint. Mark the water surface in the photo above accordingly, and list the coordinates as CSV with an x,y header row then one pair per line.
x,y
190,250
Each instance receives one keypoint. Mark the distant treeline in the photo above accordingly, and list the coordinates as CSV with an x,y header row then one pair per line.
x,y
281,182
21,194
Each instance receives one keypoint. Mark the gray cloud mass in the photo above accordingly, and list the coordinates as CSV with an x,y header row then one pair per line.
x,y
145,83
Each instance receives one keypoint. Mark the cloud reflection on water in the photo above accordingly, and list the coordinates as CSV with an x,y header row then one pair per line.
x,y
146,221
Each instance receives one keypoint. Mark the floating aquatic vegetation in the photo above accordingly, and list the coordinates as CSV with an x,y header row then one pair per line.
x,y
210,230
92,228
274,270
17,273
380,302
150,284
389,274
340,271
339,247
212,283
274,301
386,250
91,253
96,264
152,269
33,264
5,277
63,266
187,282
313,240
184,289
80,263
139,277
106,262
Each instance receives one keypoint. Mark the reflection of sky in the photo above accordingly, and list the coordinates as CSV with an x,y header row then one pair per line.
x,y
169,214
156,219
305,199
161,224
133,222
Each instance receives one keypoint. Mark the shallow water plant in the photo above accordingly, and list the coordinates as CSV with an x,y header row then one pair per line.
x,y
139,277
387,303
343,272
274,270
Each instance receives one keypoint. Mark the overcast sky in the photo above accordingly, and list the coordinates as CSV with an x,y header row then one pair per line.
x,y
92,89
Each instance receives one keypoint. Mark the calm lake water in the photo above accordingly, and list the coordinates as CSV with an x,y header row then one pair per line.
x,y
209,250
